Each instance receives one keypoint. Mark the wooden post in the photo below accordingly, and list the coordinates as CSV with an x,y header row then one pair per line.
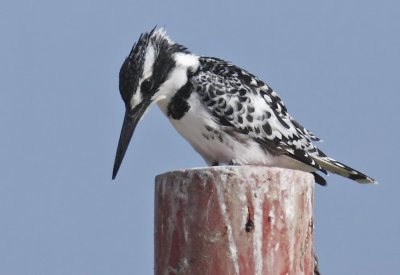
x,y
247,220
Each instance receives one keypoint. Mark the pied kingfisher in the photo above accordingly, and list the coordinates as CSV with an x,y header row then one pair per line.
x,y
227,114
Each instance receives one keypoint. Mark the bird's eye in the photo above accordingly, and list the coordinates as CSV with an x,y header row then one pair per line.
x,y
146,85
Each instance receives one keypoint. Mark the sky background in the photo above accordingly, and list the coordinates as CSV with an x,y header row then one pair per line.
x,y
334,63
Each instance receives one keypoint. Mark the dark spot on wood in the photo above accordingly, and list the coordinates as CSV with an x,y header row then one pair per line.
x,y
224,233
249,227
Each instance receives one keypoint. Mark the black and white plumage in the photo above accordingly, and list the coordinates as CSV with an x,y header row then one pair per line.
x,y
227,114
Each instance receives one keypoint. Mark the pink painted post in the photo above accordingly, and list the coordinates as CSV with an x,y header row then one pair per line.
x,y
234,220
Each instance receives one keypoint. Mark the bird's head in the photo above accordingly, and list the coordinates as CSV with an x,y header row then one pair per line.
x,y
148,66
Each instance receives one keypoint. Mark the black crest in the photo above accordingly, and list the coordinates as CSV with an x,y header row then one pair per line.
x,y
132,68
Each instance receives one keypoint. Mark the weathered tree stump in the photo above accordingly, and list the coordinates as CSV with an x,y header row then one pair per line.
x,y
234,220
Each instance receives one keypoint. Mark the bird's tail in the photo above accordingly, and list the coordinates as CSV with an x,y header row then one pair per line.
x,y
334,166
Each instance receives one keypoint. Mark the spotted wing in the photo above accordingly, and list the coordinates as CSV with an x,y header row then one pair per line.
x,y
240,100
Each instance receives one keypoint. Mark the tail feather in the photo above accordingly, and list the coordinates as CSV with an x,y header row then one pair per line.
x,y
341,169
318,179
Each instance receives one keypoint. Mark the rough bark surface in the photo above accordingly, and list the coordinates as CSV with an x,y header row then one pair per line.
x,y
234,220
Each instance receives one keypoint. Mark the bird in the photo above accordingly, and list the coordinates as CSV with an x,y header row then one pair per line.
x,y
227,114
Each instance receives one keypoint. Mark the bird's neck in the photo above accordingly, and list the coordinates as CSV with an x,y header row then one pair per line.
x,y
185,64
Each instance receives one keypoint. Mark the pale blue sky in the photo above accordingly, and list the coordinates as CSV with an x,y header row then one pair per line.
x,y
334,63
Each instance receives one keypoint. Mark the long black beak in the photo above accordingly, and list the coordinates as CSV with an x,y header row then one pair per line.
x,y
131,119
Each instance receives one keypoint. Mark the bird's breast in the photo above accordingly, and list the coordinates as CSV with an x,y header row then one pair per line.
x,y
213,141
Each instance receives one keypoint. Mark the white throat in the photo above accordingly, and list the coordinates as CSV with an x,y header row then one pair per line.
x,y
176,78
